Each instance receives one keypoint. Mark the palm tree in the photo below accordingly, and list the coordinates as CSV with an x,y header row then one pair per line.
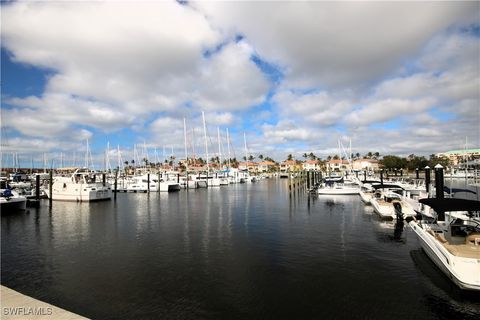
x,y
260,156
377,155
290,157
305,156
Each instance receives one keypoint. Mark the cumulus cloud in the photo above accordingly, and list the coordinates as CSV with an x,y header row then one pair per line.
x,y
318,107
128,61
385,110
336,44
286,131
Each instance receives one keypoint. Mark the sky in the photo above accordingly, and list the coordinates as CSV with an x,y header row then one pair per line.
x,y
293,77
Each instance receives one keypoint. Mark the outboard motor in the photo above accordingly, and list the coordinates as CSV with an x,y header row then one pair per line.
x,y
398,211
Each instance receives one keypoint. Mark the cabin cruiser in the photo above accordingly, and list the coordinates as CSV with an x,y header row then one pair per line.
x,y
11,201
366,192
454,246
388,203
338,186
80,186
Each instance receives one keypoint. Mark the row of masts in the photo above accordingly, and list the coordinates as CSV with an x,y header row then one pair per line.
x,y
144,156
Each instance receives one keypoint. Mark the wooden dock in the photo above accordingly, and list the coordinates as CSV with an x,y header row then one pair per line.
x,y
17,306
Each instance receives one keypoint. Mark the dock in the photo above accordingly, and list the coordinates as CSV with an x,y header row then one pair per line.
x,y
17,306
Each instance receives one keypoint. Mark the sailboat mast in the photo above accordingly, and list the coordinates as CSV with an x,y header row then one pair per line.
x,y
228,146
219,148
246,150
185,143
206,144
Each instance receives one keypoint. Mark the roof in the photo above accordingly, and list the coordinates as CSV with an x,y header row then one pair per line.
x,y
312,162
462,151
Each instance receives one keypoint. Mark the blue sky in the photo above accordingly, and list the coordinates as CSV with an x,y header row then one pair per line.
x,y
295,77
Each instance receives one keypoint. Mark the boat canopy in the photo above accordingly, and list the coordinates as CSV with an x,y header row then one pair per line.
x,y
386,186
451,204
455,190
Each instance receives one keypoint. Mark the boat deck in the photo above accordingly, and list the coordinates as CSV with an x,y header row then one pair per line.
x,y
465,247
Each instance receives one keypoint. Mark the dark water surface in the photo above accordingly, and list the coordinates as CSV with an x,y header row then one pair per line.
x,y
247,251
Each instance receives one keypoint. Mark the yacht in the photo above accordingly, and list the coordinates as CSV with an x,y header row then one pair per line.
x,y
388,203
454,246
11,201
80,186
366,192
339,186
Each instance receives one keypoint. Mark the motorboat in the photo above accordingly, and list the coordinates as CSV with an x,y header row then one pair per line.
x,y
388,203
341,186
81,186
11,201
454,246
366,192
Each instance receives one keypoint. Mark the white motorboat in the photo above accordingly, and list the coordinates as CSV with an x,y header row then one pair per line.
x,y
11,201
334,187
453,246
141,183
366,193
80,186
389,204
169,186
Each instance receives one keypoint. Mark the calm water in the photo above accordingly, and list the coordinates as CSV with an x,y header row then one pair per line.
x,y
246,251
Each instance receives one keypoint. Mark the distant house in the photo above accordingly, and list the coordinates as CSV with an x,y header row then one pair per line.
x,y
311,165
337,165
457,156
248,166
265,166
366,164
289,165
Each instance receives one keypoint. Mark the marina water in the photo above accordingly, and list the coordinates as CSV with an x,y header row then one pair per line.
x,y
246,251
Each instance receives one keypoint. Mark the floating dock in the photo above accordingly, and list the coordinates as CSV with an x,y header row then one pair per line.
x,y
17,306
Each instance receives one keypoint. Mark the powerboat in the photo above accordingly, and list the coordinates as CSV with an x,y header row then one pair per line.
x,y
454,246
80,186
11,201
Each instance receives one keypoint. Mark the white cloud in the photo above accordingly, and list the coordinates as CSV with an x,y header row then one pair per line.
x,y
319,107
336,44
385,110
230,80
286,131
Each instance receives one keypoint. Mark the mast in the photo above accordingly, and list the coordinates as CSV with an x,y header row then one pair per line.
x,y
86,156
219,149
246,150
119,158
185,142
228,146
206,144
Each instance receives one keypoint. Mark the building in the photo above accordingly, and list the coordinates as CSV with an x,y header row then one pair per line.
x,y
311,165
366,164
337,165
265,166
288,165
458,156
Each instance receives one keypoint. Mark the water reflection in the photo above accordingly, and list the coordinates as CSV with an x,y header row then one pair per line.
x,y
242,251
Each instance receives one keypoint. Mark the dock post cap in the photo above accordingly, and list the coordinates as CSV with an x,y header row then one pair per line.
x,y
427,167
438,166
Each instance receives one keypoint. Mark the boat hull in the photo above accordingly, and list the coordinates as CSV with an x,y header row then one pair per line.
x,y
443,260
342,191
13,205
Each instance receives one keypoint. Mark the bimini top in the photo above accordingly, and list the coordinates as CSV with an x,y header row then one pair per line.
x,y
456,190
386,186
451,204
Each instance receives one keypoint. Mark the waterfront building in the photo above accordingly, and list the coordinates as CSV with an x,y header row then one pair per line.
x,y
366,164
458,156
311,165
